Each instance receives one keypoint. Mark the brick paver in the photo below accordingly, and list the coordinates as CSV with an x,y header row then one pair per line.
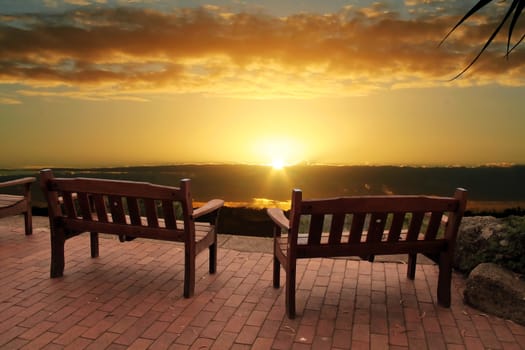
x,y
131,298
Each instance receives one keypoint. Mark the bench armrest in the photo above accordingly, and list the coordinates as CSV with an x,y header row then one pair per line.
x,y
22,181
278,217
210,206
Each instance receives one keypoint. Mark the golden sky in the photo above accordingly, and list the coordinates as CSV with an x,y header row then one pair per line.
x,y
87,83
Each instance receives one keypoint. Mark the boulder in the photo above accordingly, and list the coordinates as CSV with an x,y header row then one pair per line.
x,y
484,239
497,291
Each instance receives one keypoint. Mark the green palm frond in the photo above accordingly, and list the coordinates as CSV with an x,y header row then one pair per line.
x,y
516,8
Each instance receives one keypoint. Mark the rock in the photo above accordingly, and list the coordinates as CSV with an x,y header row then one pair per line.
x,y
497,291
473,241
488,239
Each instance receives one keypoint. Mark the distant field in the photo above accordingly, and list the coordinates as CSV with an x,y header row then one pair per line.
x,y
489,188
494,205
498,208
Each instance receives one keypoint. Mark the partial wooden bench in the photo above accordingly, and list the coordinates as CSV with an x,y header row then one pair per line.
x,y
366,226
130,210
13,204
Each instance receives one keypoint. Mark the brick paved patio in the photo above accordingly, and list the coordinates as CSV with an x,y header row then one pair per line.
x,y
131,298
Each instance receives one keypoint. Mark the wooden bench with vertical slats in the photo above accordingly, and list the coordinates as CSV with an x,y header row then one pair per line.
x,y
366,226
15,204
130,210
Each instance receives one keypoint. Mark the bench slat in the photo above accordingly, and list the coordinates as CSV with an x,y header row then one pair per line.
x,y
85,207
415,226
373,204
100,207
376,227
336,228
169,214
369,248
396,226
123,229
434,224
13,207
151,212
358,222
69,206
7,200
117,209
115,188
316,228
134,211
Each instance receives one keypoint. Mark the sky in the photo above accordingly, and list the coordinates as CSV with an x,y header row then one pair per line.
x,y
88,83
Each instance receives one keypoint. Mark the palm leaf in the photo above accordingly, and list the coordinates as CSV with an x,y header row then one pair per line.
x,y
517,7
472,11
517,43
496,31
517,13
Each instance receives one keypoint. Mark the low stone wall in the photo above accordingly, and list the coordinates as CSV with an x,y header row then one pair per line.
x,y
245,221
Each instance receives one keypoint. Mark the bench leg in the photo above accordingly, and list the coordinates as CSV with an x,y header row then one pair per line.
x,y
213,256
276,273
57,252
411,269
94,244
28,221
290,291
444,279
189,270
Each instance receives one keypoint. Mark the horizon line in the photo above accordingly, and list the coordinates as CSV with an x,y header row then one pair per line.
x,y
301,164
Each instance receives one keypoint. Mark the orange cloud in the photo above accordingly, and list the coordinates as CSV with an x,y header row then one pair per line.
x,y
9,101
129,53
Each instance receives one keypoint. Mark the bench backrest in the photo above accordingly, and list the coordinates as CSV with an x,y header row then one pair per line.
x,y
137,209
362,225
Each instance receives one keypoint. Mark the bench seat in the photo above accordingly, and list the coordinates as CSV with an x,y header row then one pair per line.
x,y
16,204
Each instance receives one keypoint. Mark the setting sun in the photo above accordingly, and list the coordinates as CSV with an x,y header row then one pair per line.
x,y
278,151
277,163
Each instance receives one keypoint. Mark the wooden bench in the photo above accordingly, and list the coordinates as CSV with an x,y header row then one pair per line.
x,y
14,204
130,210
366,226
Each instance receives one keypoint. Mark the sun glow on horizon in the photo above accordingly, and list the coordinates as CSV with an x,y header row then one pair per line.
x,y
278,164
279,152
